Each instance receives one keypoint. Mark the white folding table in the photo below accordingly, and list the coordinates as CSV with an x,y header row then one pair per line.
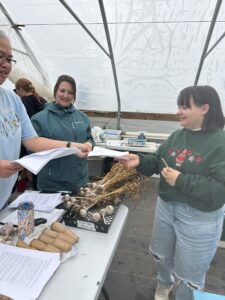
x,y
82,277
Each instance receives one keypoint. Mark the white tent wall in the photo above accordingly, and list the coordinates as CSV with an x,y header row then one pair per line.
x,y
157,45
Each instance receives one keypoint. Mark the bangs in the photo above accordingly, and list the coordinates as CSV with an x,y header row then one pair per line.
x,y
184,98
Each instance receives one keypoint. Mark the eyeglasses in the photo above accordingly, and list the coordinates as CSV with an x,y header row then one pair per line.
x,y
4,58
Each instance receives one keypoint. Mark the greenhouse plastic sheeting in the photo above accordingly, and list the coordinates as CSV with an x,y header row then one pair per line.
x,y
157,47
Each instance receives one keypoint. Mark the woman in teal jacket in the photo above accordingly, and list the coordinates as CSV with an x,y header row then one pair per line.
x,y
61,120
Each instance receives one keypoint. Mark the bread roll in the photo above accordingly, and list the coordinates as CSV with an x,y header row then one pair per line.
x,y
50,232
37,244
62,245
45,238
22,244
58,227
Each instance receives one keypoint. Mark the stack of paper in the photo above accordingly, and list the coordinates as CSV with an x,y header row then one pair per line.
x,y
24,272
41,201
99,151
36,161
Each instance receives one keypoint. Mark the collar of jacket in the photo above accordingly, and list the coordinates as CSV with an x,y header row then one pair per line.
x,y
55,107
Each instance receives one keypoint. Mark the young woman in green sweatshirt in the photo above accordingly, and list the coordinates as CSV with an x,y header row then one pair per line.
x,y
190,208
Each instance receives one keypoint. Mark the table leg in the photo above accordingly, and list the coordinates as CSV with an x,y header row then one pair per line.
x,y
105,293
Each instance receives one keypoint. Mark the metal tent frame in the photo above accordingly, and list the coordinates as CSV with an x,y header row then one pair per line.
x,y
109,53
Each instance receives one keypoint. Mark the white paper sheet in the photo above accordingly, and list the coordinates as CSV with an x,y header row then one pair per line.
x,y
99,151
24,272
41,201
36,161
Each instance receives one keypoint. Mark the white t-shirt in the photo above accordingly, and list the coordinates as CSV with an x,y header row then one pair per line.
x,y
15,126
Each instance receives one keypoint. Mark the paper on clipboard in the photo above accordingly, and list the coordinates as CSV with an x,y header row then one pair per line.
x,y
36,161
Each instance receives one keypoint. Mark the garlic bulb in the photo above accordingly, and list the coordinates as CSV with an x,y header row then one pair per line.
x,y
67,197
96,217
68,204
103,212
73,199
83,213
109,209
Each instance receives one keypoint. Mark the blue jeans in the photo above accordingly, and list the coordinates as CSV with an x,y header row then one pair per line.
x,y
184,241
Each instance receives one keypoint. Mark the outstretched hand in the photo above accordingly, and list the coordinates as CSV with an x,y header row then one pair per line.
x,y
170,175
8,168
131,161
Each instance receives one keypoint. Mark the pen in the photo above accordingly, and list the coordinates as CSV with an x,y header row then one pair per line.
x,y
165,163
37,222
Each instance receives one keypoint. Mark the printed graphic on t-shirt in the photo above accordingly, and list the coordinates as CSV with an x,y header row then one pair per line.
x,y
9,123
181,155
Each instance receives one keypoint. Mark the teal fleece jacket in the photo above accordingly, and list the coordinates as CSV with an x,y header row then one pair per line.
x,y
68,124
200,157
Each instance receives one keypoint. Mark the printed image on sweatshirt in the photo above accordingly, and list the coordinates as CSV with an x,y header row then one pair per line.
x,y
9,123
185,154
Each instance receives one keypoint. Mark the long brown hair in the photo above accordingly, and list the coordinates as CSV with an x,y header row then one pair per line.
x,y
26,85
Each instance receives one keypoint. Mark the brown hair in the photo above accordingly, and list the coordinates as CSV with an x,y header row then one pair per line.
x,y
204,94
26,85
68,79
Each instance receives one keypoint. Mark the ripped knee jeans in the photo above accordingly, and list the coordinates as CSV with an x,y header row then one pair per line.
x,y
184,241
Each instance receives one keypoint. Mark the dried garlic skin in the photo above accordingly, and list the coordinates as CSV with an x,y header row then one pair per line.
x,y
83,213
67,197
96,217
109,209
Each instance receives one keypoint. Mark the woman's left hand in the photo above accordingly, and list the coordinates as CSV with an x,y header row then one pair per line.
x,y
170,175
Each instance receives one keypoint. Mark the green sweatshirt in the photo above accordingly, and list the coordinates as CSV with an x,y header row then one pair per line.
x,y
200,157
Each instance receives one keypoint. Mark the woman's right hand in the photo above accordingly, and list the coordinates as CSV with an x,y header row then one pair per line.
x,y
131,161
84,149
8,168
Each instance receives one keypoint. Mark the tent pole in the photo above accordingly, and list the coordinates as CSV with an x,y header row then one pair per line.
x,y
112,60
212,24
216,43
82,25
26,46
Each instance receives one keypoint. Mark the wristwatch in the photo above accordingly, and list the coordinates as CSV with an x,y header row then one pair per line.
x,y
68,144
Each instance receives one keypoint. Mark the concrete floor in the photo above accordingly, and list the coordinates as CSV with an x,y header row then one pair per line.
x,y
132,274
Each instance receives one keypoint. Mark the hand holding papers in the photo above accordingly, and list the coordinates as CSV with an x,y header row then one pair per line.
x,y
99,151
36,161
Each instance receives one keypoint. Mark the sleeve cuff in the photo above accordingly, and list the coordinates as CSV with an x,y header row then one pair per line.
x,y
180,181
141,164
